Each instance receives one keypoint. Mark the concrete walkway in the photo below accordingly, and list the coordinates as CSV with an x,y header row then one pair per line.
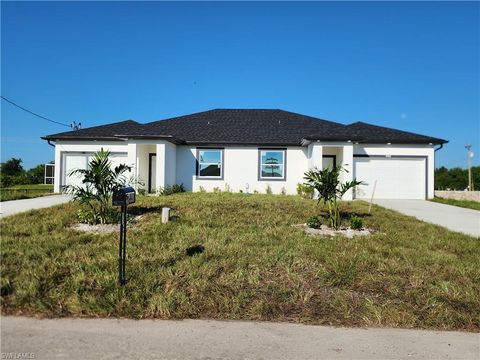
x,y
12,207
203,339
453,218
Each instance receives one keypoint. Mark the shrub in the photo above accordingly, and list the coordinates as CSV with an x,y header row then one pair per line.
x,y
141,191
330,189
269,190
98,183
112,216
202,189
283,191
216,189
314,222
356,223
171,189
305,191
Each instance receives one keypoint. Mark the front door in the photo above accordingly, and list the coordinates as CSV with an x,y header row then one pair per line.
x,y
328,161
152,171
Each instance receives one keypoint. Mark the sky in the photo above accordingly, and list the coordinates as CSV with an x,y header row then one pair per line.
x,y
412,66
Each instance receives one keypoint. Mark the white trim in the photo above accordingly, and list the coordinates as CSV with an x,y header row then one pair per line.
x,y
283,151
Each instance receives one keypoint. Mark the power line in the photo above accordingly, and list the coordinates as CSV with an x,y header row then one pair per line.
x,y
31,112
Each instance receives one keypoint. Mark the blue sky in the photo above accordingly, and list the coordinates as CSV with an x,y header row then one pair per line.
x,y
412,66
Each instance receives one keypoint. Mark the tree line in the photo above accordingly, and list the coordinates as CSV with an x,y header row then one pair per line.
x,y
13,173
456,178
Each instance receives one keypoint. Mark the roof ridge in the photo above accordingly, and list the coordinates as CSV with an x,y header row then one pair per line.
x,y
385,127
177,117
114,123
312,117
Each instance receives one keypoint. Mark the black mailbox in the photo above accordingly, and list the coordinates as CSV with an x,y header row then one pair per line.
x,y
123,196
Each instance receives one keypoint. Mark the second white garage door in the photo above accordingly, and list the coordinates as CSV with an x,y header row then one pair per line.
x,y
395,177
73,161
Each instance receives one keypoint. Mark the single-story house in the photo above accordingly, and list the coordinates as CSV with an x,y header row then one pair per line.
x,y
252,149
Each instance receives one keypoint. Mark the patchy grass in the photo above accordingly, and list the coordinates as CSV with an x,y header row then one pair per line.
x,y
25,191
468,204
247,262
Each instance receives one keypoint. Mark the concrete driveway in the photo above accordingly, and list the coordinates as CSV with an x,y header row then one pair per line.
x,y
454,218
12,207
206,339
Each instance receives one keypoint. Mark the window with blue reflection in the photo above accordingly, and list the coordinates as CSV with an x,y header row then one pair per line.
x,y
210,163
272,164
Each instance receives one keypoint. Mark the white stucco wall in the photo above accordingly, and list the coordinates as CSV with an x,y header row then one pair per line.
x,y
166,164
240,169
177,163
143,151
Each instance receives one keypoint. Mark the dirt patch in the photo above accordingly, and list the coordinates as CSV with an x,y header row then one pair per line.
x,y
103,228
343,231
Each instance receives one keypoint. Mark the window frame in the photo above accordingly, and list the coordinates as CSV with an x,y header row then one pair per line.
x,y
222,163
262,178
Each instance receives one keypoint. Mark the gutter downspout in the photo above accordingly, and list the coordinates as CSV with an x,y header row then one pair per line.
x,y
49,143
435,150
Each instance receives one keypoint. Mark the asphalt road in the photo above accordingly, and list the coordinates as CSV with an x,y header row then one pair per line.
x,y
203,339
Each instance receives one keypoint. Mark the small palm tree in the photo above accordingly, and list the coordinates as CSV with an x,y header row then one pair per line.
x,y
98,183
327,184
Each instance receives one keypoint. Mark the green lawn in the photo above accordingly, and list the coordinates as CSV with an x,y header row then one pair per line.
x,y
469,204
25,191
255,266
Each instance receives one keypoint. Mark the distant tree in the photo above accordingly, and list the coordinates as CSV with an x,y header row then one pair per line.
x,y
36,175
13,173
12,167
456,178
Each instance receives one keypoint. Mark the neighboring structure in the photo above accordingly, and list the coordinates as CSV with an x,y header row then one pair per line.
x,y
49,174
251,149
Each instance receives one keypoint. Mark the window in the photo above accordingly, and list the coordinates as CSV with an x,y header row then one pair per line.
x,y
210,163
49,173
272,164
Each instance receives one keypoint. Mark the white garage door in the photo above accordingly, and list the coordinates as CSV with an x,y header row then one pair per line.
x,y
73,161
395,177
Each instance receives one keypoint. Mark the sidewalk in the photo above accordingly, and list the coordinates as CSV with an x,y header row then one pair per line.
x,y
203,339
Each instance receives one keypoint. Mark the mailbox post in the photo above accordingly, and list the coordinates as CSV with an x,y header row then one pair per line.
x,y
122,197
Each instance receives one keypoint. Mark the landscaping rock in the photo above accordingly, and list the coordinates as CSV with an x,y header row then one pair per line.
x,y
103,228
327,231
97,228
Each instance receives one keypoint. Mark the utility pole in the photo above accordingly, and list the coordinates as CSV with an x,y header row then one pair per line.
x,y
469,162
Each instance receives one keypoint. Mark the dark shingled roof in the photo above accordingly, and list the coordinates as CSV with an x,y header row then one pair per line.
x,y
379,134
246,127
107,132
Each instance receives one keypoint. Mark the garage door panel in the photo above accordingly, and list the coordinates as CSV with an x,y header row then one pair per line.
x,y
392,178
73,161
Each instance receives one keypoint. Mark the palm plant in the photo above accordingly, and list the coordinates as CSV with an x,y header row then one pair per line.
x,y
99,181
329,189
